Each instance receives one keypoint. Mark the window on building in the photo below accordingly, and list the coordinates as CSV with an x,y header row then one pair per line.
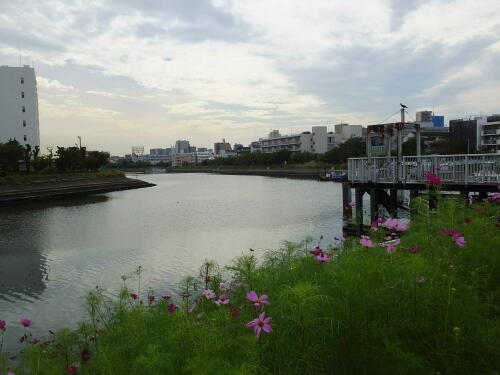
x,y
22,94
25,138
22,80
24,123
24,108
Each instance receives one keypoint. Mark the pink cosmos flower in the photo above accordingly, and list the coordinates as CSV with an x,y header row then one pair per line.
x,y
25,322
495,197
433,179
257,301
438,167
391,223
209,294
171,308
71,369
391,246
339,238
316,251
224,287
261,324
401,227
2,325
134,296
85,355
459,241
455,235
10,373
414,249
166,298
352,204
452,233
375,224
366,241
151,298
35,341
323,258
223,300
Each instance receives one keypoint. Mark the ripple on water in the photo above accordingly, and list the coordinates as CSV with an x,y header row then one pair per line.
x,y
54,254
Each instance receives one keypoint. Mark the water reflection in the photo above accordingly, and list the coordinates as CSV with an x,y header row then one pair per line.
x,y
23,266
52,254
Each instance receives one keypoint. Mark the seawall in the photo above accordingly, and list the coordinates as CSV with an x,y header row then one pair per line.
x,y
290,173
21,193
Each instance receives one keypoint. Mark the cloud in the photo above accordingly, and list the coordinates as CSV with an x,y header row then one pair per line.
x,y
52,84
192,68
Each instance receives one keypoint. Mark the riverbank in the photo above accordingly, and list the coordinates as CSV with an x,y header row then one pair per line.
x,y
423,302
29,188
277,172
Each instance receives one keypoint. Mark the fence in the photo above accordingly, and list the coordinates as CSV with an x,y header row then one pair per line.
x,y
461,169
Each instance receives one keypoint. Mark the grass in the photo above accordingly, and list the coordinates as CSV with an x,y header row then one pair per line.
x,y
43,178
365,312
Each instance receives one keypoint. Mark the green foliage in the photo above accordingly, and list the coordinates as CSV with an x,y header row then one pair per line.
x,y
352,148
365,312
410,146
11,153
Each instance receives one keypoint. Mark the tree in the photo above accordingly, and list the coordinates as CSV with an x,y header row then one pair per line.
x,y
11,153
352,148
95,160
27,157
69,158
410,146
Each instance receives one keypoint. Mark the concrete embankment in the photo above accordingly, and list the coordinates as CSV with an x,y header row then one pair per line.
x,y
20,193
295,173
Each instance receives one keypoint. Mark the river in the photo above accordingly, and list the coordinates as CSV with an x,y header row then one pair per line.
x,y
53,253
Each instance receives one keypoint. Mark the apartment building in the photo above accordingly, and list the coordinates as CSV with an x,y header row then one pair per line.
x,y
314,141
490,134
19,105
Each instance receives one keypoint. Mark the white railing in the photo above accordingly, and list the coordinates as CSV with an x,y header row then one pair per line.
x,y
461,169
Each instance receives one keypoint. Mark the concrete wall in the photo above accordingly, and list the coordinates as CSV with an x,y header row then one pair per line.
x,y
14,123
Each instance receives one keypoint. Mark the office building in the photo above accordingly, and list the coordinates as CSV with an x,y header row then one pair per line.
x,y
221,146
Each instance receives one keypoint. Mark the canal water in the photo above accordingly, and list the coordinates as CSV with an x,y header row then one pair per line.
x,y
53,254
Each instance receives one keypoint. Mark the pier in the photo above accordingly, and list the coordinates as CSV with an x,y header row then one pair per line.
x,y
384,177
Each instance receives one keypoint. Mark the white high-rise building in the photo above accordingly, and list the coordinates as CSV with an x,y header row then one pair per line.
x,y
19,105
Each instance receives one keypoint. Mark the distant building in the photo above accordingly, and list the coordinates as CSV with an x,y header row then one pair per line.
x,y
221,146
426,119
181,159
202,154
465,135
490,134
314,141
342,133
137,150
19,105
255,146
438,121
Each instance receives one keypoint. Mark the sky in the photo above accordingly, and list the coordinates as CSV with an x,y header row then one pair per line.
x,y
120,73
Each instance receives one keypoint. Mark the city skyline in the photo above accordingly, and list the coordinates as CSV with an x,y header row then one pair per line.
x,y
120,74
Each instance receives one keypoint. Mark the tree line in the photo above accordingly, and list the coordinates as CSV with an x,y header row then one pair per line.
x,y
353,147
15,157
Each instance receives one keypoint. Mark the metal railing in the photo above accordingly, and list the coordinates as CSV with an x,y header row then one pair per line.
x,y
460,169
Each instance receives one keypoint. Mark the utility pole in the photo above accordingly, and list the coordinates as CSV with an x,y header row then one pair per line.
x,y
80,142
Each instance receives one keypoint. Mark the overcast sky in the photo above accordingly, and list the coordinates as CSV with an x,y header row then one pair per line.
x,y
128,72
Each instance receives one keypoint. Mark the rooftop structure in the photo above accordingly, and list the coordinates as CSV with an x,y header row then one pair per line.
x,y
19,105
